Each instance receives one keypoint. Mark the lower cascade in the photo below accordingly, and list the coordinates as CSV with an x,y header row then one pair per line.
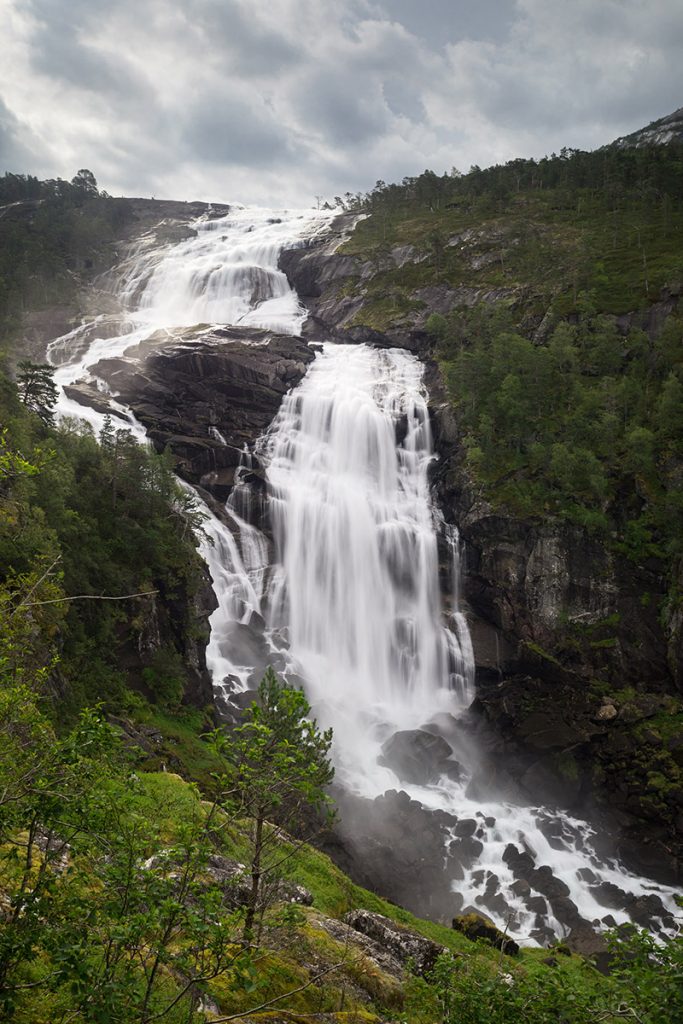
x,y
340,571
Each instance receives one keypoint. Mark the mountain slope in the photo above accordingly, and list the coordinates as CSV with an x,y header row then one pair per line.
x,y
658,133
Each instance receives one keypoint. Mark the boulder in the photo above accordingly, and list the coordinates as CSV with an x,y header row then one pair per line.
x,y
403,944
475,927
205,393
419,757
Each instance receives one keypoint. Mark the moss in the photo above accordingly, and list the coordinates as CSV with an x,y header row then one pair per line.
x,y
539,652
567,766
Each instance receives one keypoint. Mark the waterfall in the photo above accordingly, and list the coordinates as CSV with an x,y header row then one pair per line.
x,y
351,605
356,581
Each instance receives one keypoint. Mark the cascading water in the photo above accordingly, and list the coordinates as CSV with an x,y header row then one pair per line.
x,y
352,604
225,273
357,581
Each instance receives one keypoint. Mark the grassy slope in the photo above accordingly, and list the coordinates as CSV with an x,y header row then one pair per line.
x,y
297,953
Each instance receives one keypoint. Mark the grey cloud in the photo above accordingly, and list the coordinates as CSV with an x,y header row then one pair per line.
x,y
438,22
60,50
278,97
15,155
225,131
249,47
343,116
403,99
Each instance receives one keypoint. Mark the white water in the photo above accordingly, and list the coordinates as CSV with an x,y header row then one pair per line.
x,y
357,584
226,274
352,604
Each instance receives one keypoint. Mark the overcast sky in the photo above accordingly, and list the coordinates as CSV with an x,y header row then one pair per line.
x,y
275,101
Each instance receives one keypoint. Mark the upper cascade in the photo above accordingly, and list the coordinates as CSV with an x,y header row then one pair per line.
x,y
225,272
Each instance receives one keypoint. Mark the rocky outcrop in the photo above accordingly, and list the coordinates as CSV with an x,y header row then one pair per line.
x,y
235,881
204,394
337,287
659,133
406,946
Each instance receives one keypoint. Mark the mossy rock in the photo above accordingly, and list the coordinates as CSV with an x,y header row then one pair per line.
x,y
476,927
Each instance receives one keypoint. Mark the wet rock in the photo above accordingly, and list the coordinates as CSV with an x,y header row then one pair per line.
x,y
521,864
245,698
201,382
465,827
418,756
474,926
495,902
546,883
587,942
465,851
521,888
543,935
402,943
605,713
537,905
611,896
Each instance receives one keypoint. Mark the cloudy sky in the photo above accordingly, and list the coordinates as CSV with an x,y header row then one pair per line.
x,y
275,101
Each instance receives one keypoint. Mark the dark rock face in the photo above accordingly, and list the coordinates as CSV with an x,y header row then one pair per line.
x,y
559,602
403,944
418,756
319,275
396,847
201,386
553,611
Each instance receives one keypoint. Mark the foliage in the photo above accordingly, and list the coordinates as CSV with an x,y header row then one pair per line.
x,y
581,425
100,519
37,389
50,231
108,909
276,769
110,912
652,973
644,985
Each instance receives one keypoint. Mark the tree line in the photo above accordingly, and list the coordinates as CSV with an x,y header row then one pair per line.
x,y
50,232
